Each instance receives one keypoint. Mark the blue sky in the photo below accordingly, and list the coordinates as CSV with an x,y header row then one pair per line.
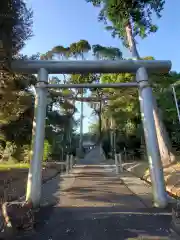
x,y
58,22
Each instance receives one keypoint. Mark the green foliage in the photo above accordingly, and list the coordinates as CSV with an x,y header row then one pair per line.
x,y
121,111
16,27
47,150
121,13
17,101
16,116
22,154
79,48
122,107
9,151
74,50
102,52
16,105
59,51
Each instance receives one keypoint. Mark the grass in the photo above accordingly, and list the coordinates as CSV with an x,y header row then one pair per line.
x,y
8,166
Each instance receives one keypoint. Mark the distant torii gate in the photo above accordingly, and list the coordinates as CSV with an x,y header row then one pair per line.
x,y
140,67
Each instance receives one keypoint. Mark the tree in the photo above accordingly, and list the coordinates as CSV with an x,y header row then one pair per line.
x,y
16,28
129,19
75,50
17,101
78,49
123,108
121,111
102,52
16,106
60,123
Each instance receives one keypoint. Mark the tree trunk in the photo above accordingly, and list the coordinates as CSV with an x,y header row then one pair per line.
x,y
131,42
165,148
167,157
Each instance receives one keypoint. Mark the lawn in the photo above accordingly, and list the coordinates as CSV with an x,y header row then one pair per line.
x,y
7,166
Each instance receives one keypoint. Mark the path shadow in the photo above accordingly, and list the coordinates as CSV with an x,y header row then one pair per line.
x,y
123,221
75,223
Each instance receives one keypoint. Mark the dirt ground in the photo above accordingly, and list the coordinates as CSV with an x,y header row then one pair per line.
x,y
13,182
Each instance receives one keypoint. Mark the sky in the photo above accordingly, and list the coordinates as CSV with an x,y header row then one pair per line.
x,y
58,22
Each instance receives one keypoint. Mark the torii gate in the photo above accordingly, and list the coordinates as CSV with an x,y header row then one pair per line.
x,y
140,67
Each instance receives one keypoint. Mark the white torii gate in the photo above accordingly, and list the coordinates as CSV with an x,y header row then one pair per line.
x,y
140,67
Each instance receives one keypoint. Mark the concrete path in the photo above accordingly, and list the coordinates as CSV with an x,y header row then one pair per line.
x,y
94,203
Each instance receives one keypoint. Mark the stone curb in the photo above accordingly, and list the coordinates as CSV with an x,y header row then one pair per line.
x,y
138,191
138,170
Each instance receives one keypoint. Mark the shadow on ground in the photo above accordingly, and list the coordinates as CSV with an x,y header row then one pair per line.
x,y
99,223
97,206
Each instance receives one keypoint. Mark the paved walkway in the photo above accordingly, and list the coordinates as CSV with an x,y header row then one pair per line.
x,y
93,203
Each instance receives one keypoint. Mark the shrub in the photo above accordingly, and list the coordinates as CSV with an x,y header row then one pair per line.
x,y
9,150
47,150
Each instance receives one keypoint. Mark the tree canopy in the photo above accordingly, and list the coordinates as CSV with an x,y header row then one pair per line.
x,y
120,112
117,14
16,28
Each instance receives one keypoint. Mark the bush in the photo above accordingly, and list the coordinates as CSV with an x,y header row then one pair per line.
x,y
47,150
9,150
22,153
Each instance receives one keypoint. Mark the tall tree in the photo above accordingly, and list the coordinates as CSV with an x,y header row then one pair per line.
x,y
16,104
75,50
129,19
16,28
101,53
